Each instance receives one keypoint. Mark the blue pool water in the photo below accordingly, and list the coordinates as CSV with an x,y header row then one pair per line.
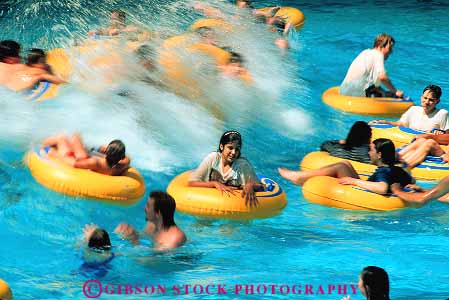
x,y
165,135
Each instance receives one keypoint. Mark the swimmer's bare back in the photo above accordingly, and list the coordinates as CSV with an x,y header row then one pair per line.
x,y
18,77
100,165
94,163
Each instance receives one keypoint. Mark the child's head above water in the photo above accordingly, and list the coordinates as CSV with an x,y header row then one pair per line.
x,y
36,56
99,240
9,52
236,58
230,137
115,152
117,18
234,66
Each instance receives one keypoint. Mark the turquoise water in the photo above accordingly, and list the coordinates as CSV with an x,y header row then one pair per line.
x,y
281,121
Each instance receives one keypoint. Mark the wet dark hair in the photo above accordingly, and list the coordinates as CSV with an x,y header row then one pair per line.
x,y
235,58
115,152
121,14
230,137
36,56
166,206
376,283
434,89
99,240
359,134
9,48
203,30
386,147
145,52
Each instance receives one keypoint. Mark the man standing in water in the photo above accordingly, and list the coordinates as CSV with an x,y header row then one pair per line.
x,y
16,76
367,72
161,226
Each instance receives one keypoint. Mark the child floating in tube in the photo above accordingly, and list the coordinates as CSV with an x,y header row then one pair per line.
x,y
17,76
382,154
429,118
37,58
108,160
227,171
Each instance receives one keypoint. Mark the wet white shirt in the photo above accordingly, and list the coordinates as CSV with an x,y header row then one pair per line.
x,y
363,72
416,118
211,169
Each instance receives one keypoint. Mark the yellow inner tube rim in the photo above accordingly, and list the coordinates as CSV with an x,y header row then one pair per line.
x,y
325,190
55,175
5,291
290,14
60,65
211,203
386,107
431,169
211,23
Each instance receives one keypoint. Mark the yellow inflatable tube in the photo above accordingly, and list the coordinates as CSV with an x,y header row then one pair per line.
x,y
178,74
42,91
211,203
211,23
289,14
325,190
60,65
5,291
399,135
433,168
319,159
382,107
168,57
55,175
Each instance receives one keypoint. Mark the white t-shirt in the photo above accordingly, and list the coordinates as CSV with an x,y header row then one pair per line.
x,y
211,169
363,72
416,118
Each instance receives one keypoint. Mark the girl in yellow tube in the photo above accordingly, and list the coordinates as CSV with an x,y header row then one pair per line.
x,y
382,154
226,171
